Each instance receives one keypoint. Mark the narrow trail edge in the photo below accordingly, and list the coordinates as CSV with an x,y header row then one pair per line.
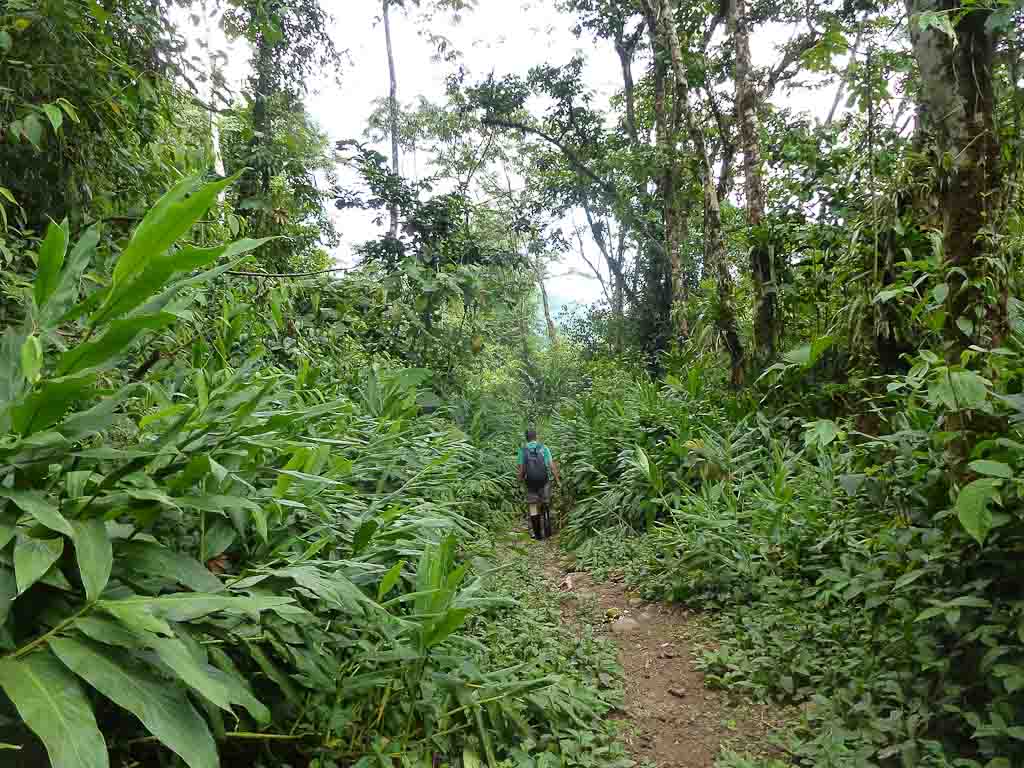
x,y
675,721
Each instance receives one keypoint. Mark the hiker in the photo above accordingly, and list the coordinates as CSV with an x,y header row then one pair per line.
x,y
536,468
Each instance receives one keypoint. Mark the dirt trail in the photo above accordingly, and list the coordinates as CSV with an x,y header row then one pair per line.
x,y
676,722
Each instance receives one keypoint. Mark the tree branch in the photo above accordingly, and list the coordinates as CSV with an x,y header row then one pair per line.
x,y
239,273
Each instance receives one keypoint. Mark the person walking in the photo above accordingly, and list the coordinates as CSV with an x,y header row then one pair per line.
x,y
536,468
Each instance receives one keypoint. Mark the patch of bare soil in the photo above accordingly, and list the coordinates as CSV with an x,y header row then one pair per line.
x,y
675,721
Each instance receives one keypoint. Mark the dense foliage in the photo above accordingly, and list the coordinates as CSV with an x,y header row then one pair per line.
x,y
255,506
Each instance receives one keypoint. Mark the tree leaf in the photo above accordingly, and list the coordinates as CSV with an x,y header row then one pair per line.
x,y
959,390
991,468
8,592
218,687
390,579
150,559
55,116
32,127
51,259
48,404
53,705
363,536
163,709
118,336
95,555
144,265
186,607
66,290
39,506
31,359
972,507
33,558
439,631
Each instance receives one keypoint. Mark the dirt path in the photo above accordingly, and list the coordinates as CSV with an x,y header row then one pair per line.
x,y
676,722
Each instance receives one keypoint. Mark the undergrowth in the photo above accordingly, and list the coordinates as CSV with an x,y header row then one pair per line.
x,y
844,576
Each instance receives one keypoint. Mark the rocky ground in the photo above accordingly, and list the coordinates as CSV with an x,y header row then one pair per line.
x,y
674,721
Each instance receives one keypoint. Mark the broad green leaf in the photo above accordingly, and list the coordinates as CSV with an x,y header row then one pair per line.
x,y
218,687
363,536
8,525
164,709
335,589
186,607
219,537
390,579
39,506
908,578
136,615
55,116
959,390
972,507
8,592
939,20
821,432
108,632
31,359
440,630
118,336
33,558
96,419
69,109
145,265
48,404
271,670
171,217
66,290
51,259
991,468
12,383
32,128
95,556
148,559
51,702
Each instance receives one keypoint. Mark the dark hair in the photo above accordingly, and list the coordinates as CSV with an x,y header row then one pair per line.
x,y
531,434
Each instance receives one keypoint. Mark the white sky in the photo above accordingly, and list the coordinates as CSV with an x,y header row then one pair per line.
x,y
506,36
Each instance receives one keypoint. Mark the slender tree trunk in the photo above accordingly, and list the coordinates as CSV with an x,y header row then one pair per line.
x,y
846,75
209,95
958,101
392,112
625,51
659,18
552,331
762,268
714,256
714,243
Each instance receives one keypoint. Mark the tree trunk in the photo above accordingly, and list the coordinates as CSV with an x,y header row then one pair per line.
x,y
209,94
958,101
714,255
660,22
625,48
552,331
714,245
392,112
762,268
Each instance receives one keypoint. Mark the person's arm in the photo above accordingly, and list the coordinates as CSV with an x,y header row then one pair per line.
x,y
520,466
552,463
